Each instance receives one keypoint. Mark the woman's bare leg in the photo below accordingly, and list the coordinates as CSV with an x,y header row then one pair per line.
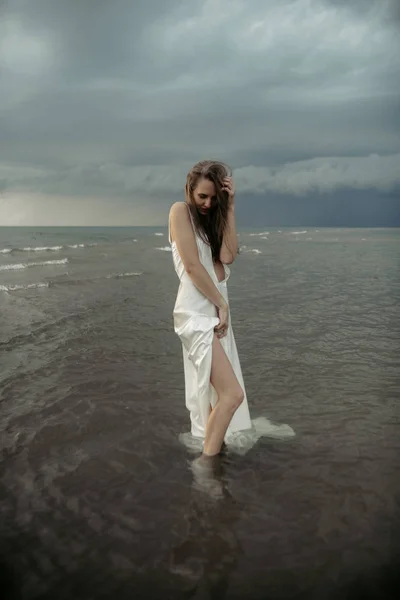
x,y
223,447
230,396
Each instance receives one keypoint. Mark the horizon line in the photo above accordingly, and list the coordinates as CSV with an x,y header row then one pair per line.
x,y
165,226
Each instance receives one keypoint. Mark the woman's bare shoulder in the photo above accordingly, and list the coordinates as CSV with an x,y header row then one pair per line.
x,y
178,206
179,210
180,224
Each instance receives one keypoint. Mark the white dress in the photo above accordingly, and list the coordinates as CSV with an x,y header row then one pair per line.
x,y
194,320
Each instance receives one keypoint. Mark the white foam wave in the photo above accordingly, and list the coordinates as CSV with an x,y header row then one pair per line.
x,y
242,441
246,250
15,267
165,249
43,263
29,286
262,233
297,232
265,238
160,234
41,249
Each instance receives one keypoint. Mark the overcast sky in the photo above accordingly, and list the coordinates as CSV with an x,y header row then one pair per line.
x,y
105,104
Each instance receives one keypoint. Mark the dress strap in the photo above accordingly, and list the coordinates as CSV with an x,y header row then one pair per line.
x,y
169,230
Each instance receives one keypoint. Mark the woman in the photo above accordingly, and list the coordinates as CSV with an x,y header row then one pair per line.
x,y
202,233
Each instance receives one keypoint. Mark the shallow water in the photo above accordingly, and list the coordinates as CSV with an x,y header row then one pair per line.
x,y
98,499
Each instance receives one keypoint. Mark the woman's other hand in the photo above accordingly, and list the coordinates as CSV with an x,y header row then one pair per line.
x,y
223,314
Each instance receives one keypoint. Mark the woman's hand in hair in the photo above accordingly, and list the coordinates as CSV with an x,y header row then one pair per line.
x,y
229,187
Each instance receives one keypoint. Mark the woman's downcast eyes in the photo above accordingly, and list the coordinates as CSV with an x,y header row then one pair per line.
x,y
202,196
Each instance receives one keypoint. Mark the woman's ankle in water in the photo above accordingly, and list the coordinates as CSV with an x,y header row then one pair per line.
x,y
208,456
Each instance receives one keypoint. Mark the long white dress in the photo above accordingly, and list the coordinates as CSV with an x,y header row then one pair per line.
x,y
194,320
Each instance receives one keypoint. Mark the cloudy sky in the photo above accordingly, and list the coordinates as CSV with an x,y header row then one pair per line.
x,y
105,104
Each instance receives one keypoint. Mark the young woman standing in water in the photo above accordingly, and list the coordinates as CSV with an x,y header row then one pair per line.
x,y
202,233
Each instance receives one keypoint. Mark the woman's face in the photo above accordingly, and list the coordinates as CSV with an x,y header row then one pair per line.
x,y
204,195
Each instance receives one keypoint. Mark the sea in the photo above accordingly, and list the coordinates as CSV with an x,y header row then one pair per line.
x,y
97,493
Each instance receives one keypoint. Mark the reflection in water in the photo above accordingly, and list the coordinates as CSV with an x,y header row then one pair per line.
x,y
208,555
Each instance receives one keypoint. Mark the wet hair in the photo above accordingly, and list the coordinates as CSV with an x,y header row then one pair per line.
x,y
210,227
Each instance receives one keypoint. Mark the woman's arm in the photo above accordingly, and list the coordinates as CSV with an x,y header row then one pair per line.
x,y
229,248
185,240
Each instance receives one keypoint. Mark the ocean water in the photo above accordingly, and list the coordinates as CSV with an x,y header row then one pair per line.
x,y
97,497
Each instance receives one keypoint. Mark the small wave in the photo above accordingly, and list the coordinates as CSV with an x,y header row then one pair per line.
x,y
76,246
43,263
5,250
122,275
160,234
297,232
65,280
247,250
264,237
262,233
29,286
165,249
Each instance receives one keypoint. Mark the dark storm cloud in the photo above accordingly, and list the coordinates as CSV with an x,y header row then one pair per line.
x,y
118,99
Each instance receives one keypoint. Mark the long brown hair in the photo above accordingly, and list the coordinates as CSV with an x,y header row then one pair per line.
x,y
210,227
